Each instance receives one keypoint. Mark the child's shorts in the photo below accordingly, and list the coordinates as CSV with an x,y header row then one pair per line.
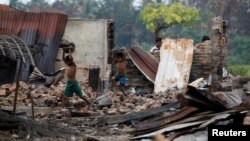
x,y
121,79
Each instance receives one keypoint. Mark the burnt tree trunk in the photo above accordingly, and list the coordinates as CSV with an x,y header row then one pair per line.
x,y
218,52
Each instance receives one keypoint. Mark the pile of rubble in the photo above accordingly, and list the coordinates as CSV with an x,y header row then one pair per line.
x,y
143,116
42,95
47,102
111,103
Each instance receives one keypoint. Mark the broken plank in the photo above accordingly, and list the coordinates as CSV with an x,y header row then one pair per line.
x,y
137,115
203,121
185,111
171,128
197,117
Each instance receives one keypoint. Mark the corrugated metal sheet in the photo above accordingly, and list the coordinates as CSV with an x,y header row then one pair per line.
x,y
176,59
46,28
6,8
144,62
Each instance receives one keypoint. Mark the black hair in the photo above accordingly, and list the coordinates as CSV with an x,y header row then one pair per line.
x,y
119,55
205,38
158,39
68,58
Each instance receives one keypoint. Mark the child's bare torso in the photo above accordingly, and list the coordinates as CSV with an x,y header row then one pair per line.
x,y
71,72
121,68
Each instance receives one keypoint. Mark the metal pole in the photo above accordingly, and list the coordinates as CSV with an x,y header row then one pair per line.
x,y
17,86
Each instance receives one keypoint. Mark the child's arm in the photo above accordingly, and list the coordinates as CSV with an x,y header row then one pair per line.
x,y
80,67
63,56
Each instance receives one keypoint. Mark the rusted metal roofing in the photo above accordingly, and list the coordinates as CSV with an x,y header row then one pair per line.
x,y
6,8
36,28
176,59
144,62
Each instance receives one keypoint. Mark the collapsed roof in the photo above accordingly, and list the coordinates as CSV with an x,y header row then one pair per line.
x,y
33,28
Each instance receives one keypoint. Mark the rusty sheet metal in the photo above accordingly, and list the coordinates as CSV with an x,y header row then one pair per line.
x,y
203,121
6,8
185,111
200,98
144,62
176,59
170,128
35,28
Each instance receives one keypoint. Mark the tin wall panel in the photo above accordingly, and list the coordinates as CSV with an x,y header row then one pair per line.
x,y
46,28
176,59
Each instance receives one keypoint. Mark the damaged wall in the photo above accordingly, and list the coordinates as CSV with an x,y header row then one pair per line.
x,y
91,40
176,59
136,79
201,66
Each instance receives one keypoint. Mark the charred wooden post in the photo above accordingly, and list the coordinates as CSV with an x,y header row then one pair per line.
x,y
218,52
111,38
94,77
32,106
17,86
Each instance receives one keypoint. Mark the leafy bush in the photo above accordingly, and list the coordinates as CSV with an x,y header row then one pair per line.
x,y
239,51
146,46
242,70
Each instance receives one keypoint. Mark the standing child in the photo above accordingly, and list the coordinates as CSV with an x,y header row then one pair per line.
x,y
120,65
72,85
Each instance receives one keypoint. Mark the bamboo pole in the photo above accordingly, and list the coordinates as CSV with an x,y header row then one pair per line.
x,y
17,86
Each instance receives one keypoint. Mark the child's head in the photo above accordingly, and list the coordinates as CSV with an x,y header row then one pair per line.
x,y
68,60
119,56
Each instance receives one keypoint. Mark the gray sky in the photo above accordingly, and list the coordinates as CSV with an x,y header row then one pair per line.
x,y
24,1
136,3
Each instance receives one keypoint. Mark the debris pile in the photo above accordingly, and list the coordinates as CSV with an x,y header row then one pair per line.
x,y
42,95
125,104
111,103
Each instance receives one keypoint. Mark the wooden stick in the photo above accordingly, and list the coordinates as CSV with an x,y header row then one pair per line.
x,y
32,105
17,86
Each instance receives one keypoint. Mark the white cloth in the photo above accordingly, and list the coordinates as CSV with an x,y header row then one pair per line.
x,y
154,49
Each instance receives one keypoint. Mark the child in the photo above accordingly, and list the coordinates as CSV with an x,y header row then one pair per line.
x,y
120,70
72,85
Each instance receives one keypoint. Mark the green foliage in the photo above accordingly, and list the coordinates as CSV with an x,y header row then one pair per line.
x,y
157,15
241,70
239,51
180,31
125,16
146,46
17,4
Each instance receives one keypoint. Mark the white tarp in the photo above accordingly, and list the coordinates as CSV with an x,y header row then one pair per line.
x,y
176,58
